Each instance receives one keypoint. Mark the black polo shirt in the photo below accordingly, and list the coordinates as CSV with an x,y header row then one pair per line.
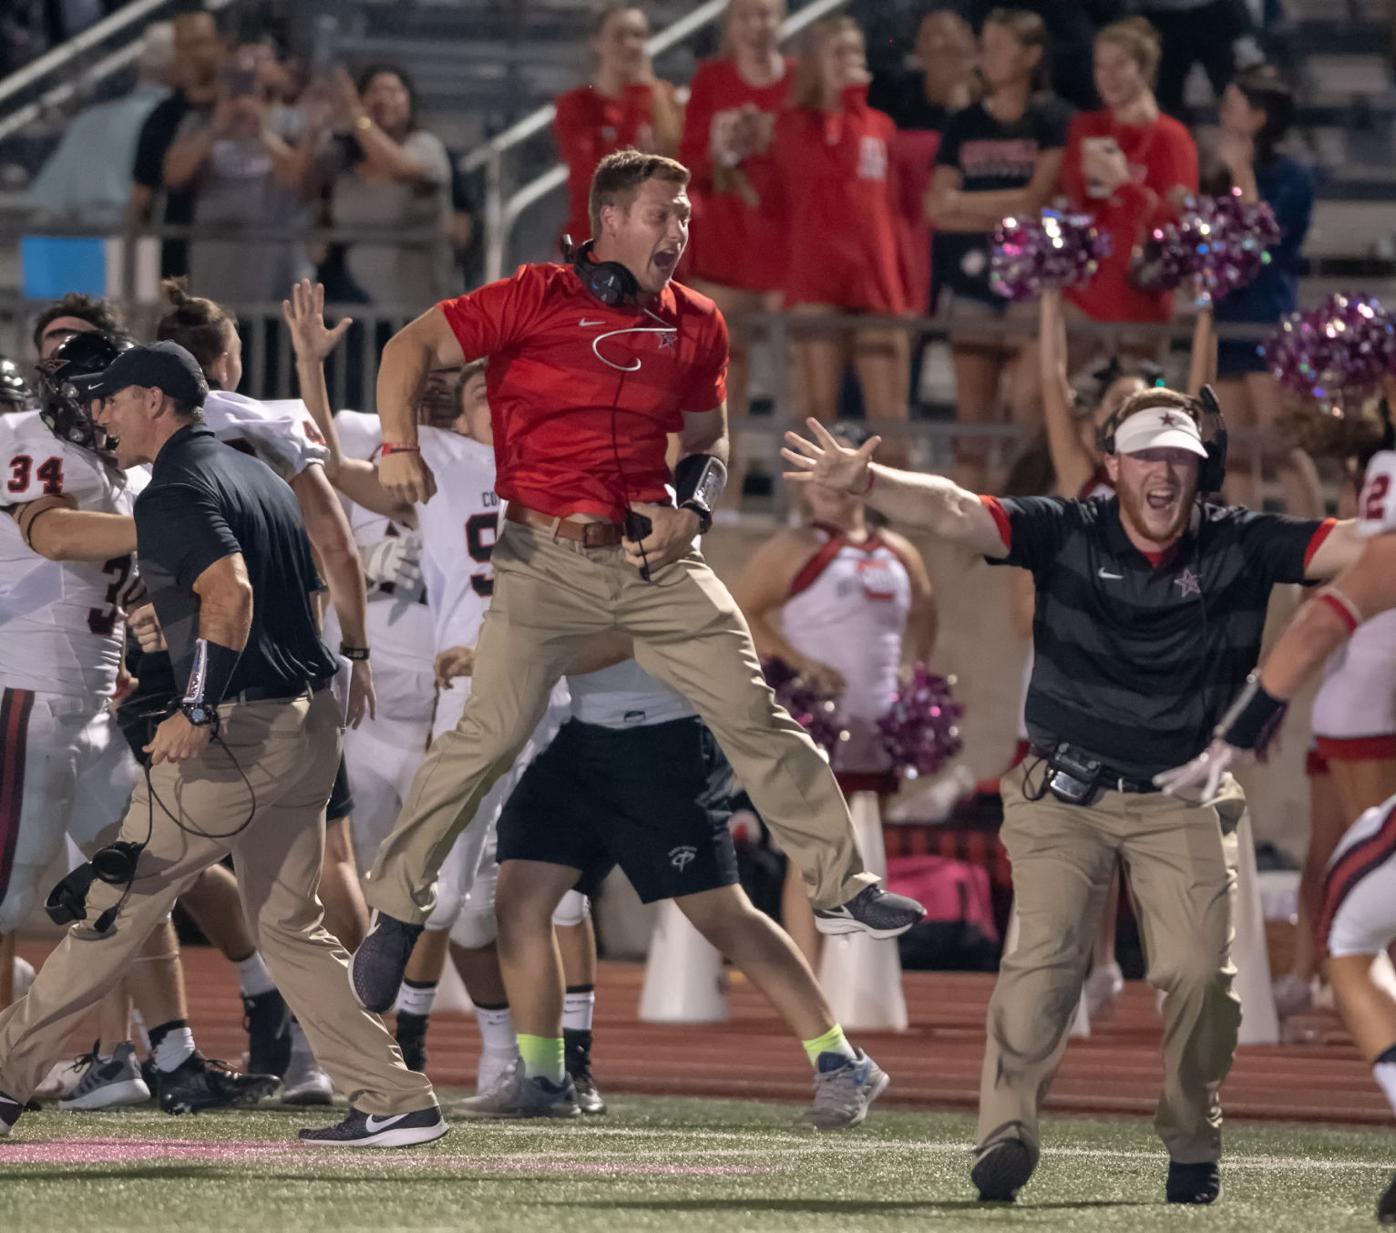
x,y
1137,659
206,501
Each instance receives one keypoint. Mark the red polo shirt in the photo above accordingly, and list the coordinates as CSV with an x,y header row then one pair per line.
x,y
583,397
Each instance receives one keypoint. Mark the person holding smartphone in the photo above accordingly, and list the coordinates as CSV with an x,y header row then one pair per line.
x,y
1129,166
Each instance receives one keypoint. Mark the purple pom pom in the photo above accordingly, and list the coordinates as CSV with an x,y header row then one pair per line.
x,y
920,731
1337,351
813,709
1031,255
1218,245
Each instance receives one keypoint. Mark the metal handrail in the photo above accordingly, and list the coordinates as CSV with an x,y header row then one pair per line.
x,y
62,56
502,213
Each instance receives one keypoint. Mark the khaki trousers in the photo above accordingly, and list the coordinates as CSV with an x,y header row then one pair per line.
x,y
550,596
1181,861
288,752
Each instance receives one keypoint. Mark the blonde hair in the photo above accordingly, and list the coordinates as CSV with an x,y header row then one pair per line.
x,y
1138,39
808,87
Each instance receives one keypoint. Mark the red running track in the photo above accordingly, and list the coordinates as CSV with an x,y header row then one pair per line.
x,y
934,1063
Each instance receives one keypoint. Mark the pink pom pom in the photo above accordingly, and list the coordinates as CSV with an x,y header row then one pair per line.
x,y
920,730
1218,245
1031,255
1337,351
812,708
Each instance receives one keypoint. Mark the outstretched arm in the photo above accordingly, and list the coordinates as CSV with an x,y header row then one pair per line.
x,y
1072,460
931,501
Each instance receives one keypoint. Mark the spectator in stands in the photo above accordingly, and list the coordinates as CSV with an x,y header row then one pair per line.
x,y
75,313
198,57
623,106
849,605
921,101
87,178
382,170
998,157
1071,28
1130,167
831,152
245,163
1218,34
1256,112
736,243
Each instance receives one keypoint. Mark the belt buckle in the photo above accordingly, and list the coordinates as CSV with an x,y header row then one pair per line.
x,y
588,528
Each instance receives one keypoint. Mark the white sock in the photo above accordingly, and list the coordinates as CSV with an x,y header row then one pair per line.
x,y
415,998
174,1049
577,1009
496,1030
1385,1075
253,977
299,1043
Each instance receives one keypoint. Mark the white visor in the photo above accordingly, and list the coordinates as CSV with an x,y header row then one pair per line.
x,y
1159,428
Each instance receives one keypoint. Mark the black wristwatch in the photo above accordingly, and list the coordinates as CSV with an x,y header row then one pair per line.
x,y
200,714
705,515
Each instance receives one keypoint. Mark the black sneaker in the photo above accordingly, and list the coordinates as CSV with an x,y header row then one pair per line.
x,y
376,968
1002,1169
411,1033
386,1130
267,1019
11,1110
198,1084
873,911
576,1054
1194,1183
1386,1205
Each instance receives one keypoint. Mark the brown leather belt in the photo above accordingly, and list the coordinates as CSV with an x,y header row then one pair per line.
x,y
588,534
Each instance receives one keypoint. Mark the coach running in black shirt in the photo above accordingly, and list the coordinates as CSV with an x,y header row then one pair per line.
x,y
244,763
1150,607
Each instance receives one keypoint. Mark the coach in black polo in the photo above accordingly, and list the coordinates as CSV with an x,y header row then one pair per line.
x,y
1150,608
243,765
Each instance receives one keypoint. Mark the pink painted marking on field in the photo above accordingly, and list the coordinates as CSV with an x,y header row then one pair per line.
x,y
629,1168
131,1151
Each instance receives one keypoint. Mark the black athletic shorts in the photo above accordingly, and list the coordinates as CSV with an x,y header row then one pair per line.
x,y
341,798
654,800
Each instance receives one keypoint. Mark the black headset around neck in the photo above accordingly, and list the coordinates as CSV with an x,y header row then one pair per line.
x,y
609,281
1212,473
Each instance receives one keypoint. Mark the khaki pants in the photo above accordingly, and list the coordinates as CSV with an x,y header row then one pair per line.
x,y
288,752
1181,861
550,595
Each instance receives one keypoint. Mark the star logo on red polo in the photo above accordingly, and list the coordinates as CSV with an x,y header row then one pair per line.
x,y
668,338
1188,584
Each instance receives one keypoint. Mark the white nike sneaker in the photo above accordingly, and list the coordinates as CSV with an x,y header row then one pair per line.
x,y
1105,983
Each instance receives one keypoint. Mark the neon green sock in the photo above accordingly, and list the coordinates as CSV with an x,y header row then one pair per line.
x,y
542,1057
833,1041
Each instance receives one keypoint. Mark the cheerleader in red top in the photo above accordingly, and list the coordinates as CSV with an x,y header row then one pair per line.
x,y
621,107
737,242
1128,165
831,152
847,604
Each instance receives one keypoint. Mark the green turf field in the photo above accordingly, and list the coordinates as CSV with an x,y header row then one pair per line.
x,y
654,1165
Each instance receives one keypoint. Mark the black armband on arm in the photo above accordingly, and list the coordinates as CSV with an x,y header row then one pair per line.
x,y
1253,718
208,679
698,482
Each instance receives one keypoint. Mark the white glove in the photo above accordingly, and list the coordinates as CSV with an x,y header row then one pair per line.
x,y
1203,774
396,559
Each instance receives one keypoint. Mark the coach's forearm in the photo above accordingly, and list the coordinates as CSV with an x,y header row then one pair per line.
x,y
402,368
934,502
328,528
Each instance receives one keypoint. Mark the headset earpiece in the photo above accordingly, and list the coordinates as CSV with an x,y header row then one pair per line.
x,y
609,281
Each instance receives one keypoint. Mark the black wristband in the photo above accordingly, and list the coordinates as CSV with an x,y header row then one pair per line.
x,y
1253,717
699,478
210,673
353,653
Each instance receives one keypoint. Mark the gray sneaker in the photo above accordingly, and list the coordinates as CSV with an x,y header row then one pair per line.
x,y
107,1083
844,1091
874,911
376,968
304,1082
517,1096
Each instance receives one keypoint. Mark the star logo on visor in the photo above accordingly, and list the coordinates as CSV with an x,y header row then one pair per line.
x,y
1188,584
1168,419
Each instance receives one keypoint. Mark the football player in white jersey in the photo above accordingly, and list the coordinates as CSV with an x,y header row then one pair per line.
x,y
1357,921
634,778
847,604
458,589
65,563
